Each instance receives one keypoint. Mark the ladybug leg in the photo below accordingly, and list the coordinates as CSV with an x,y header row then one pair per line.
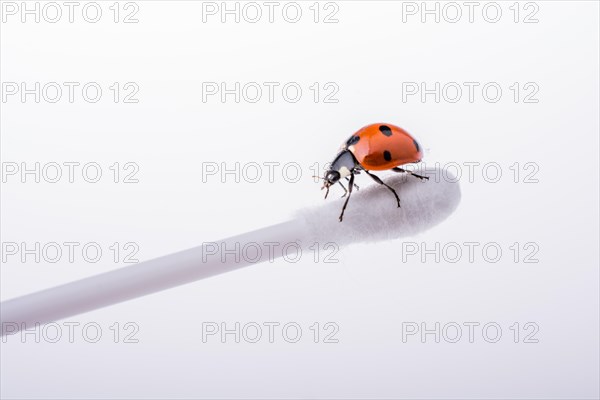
x,y
378,180
355,185
350,186
421,177
343,187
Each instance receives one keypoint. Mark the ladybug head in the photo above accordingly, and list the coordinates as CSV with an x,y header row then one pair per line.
x,y
331,177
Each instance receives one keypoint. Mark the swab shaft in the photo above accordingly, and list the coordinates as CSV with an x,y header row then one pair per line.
x,y
147,277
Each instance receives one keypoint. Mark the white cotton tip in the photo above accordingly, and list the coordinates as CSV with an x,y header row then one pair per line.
x,y
372,213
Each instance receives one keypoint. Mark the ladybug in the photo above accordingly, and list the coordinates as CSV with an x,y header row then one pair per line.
x,y
376,147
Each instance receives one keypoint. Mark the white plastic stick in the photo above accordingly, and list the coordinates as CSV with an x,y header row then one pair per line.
x,y
143,278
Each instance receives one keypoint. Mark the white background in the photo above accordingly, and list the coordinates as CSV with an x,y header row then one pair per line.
x,y
371,293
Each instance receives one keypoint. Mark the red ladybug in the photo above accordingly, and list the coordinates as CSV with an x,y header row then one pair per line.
x,y
375,147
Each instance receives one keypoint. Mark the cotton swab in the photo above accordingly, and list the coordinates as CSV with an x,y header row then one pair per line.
x,y
372,215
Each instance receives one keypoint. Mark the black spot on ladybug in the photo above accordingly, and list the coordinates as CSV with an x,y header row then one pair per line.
x,y
417,145
387,156
353,140
385,130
